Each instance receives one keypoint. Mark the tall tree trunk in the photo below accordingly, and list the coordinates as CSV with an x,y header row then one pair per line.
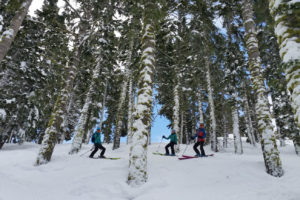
x,y
138,151
238,148
250,130
201,118
66,118
9,35
182,123
120,110
130,110
287,19
79,132
225,134
176,115
54,126
265,127
213,136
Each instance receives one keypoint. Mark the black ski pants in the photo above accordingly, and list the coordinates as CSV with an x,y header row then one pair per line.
x,y
171,144
98,146
201,143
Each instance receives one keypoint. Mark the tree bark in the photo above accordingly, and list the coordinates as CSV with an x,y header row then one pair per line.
x,y
176,115
138,151
54,126
266,130
238,148
9,35
120,110
286,17
250,130
213,136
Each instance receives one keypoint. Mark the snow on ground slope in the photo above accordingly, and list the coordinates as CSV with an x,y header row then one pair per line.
x,y
225,176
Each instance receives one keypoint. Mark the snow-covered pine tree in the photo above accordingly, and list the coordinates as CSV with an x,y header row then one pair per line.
x,y
266,130
213,136
79,132
8,36
35,68
54,129
287,19
204,35
120,111
142,117
102,47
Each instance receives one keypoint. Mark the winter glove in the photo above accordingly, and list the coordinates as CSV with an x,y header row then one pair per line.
x,y
163,136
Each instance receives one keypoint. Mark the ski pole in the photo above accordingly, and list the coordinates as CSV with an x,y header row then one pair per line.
x,y
159,145
187,144
87,151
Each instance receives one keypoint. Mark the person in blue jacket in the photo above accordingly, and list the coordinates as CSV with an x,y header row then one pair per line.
x,y
96,138
173,141
201,136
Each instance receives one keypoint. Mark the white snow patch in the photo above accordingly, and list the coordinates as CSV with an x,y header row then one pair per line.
x,y
2,114
9,101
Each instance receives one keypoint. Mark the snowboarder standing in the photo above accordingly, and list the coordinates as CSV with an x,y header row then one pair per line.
x,y
201,135
173,141
96,139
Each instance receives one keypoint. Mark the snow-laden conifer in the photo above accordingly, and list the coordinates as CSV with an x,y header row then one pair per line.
x,y
79,132
56,119
119,112
287,18
266,130
142,117
10,33
213,135
176,114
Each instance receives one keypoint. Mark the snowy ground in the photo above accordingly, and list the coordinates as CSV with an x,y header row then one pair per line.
x,y
225,176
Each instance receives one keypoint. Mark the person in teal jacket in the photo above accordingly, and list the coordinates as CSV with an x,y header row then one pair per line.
x,y
97,142
173,141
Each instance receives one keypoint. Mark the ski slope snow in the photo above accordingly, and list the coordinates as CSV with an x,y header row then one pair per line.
x,y
225,176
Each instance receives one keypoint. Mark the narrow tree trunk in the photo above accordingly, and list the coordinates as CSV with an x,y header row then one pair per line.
x,y
138,151
120,109
265,127
106,139
79,132
103,104
225,134
238,148
130,110
182,123
9,35
250,130
176,115
281,139
201,118
66,117
213,136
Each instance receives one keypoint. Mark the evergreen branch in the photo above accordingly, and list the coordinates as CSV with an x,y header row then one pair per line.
x,y
68,3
